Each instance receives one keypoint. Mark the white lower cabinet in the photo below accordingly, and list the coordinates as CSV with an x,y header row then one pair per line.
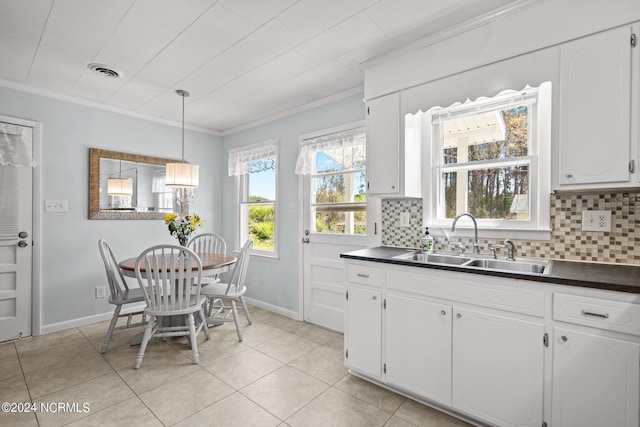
x,y
418,347
596,380
498,368
503,352
363,331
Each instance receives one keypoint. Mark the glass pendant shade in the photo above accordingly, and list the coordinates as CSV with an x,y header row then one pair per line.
x,y
182,175
119,187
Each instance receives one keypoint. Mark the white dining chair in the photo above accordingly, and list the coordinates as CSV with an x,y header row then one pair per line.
x,y
208,243
231,292
120,295
171,277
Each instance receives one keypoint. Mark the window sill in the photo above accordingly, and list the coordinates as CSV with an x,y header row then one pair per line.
x,y
486,233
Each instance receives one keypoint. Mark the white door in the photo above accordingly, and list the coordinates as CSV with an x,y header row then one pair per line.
x,y
16,250
595,380
334,220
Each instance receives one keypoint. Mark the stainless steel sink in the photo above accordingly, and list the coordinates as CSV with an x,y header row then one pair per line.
x,y
433,258
521,266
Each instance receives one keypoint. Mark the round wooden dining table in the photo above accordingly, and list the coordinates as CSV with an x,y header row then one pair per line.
x,y
211,264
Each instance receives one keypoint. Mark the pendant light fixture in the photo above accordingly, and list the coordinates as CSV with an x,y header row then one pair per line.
x,y
182,174
119,186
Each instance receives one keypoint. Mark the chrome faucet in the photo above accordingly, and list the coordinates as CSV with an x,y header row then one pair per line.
x,y
511,248
476,246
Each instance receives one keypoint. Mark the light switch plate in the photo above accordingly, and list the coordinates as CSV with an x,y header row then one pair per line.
x,y
596,221
404,219
56,206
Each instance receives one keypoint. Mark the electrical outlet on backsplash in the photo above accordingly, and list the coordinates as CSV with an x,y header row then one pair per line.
x,y
568,241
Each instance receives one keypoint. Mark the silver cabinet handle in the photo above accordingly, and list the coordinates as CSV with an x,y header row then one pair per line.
x,y
443,313
564,338
459,315
589,313
570,176
374,297
366,276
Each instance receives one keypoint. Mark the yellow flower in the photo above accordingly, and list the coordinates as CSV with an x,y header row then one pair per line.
x,y
168,218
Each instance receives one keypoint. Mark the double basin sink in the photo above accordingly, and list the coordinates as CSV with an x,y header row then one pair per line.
x,y
530,266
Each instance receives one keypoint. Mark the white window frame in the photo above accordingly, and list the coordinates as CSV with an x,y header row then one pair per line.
x,y
249,154
539,160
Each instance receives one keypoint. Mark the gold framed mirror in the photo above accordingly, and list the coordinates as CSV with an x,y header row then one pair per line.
x,y
127,186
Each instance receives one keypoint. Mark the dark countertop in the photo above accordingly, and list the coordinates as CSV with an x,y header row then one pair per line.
x,y
610,277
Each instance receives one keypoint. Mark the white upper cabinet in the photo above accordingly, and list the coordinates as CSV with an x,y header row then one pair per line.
x,y
596,146
393,163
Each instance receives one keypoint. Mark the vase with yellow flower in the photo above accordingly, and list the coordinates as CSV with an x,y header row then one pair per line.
x,y
181,228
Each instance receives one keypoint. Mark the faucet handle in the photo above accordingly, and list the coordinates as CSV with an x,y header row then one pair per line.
x,y
459,248
511,248
492,249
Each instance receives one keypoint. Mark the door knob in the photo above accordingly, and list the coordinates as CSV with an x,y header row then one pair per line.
x,y
23,234
23,243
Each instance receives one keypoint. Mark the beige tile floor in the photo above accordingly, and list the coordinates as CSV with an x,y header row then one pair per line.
x,y
284,373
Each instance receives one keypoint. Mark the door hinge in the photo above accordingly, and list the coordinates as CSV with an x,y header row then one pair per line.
x,y
545,340
347,295
375,228
346,354
384,368
632,166
367,110
634,40
384,304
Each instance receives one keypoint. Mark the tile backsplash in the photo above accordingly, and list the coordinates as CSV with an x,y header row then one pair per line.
x,y
568,241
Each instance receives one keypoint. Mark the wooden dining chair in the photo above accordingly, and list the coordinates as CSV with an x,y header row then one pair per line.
x,y
231,292
171,277
120,294
208,243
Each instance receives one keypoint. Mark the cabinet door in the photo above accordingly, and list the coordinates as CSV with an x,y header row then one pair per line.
x,y
418,347
498,368
383,145
596,381
363,331
595,128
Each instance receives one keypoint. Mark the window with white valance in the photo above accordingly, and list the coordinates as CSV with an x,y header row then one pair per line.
x,y
336,166
255,170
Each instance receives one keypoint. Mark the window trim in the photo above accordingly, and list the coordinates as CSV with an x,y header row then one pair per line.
x,y
538,226
241,225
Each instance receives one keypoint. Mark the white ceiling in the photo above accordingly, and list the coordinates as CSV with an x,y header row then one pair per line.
x,y
244,61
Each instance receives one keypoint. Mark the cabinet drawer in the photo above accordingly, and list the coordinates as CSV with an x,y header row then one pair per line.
x,y
597,313
364,274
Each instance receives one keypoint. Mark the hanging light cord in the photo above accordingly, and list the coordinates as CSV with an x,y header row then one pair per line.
x,y
183,94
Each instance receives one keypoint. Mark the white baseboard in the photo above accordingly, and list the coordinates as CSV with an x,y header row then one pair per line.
x,y
275,309
84,321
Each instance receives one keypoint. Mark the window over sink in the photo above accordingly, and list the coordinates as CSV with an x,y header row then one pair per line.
x,y
490,157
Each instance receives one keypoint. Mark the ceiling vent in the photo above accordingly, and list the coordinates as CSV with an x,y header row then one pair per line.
x,y
104,70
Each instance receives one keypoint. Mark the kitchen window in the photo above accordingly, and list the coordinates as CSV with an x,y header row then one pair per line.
x,y
490,157
255,169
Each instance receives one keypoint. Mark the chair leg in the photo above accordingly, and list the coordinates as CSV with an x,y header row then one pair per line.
x,y
112,327
145,340
234,311
246,310
204,324
194,339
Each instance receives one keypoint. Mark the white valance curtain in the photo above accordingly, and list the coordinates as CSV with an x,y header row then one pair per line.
x,y
245,159
332,142
15,149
